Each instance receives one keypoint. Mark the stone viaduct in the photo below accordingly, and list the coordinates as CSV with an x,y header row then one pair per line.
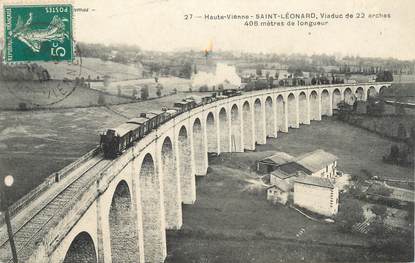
x,y
122,216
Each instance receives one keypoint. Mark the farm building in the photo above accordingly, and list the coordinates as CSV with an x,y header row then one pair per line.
x,y
278,193
316,194
288,172
319,162
271,163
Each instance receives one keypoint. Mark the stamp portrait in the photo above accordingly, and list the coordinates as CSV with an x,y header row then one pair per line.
x,y
38,33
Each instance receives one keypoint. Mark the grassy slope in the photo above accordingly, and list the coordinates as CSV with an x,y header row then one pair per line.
x,y
91,67
35,93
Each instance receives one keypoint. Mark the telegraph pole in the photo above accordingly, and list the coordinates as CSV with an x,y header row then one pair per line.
x,y
7,182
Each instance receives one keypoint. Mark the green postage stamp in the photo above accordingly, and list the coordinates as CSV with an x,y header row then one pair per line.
x,y
38,33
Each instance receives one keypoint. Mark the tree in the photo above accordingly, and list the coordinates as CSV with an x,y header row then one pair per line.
x,y
271,82
144,92
276,75
267,75
259,71
350,213
186,70
379,210
135,92
382,190
101,99
377,227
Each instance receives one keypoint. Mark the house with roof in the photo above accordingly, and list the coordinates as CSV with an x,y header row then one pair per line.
x,y
316,194
318,166
271,163
278,193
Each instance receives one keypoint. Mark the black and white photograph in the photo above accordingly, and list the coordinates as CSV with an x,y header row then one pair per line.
x,y
190,131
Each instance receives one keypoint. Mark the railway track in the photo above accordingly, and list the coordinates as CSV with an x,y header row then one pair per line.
x,y
29,233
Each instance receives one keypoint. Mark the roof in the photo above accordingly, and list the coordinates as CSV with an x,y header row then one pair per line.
x,y
180,103
156,112
125,128
316,160
293,168
278,158
282,186
282,175
138,120
316,181
151,115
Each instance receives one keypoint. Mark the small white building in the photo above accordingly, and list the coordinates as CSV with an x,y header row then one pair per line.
x,y
316,194
278,193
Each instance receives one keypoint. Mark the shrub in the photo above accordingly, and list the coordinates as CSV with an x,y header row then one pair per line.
x,y
22,106
350,213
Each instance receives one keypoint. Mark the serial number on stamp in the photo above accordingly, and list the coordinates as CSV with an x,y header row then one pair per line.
x,y
38,33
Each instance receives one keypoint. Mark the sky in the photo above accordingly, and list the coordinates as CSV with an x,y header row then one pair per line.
x,y
160,25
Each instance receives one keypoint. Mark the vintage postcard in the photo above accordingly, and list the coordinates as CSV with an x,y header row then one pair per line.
x,y
207,131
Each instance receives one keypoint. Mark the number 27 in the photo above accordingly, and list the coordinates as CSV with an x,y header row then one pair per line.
x,y
188,17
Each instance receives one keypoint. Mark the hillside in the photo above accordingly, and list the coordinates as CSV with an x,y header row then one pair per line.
x,y
51,94
92,67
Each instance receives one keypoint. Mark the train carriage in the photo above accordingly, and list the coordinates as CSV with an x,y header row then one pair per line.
x,y
114,141
157,117
231,92
144,125
185,105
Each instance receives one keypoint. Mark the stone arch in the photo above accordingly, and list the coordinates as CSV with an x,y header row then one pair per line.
x,y
292,111
224,130
236,129
154,232
349,97
259,124
247,126
337,97
314,106
199,147
269,117
171,183
123,225
212,133
360,94
303,108
371,92
187,178
381,90
82,249
325,103
281,114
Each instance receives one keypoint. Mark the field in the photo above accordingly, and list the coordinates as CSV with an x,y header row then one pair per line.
x,y
128,86
92,67
34,144
232,222
51,94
